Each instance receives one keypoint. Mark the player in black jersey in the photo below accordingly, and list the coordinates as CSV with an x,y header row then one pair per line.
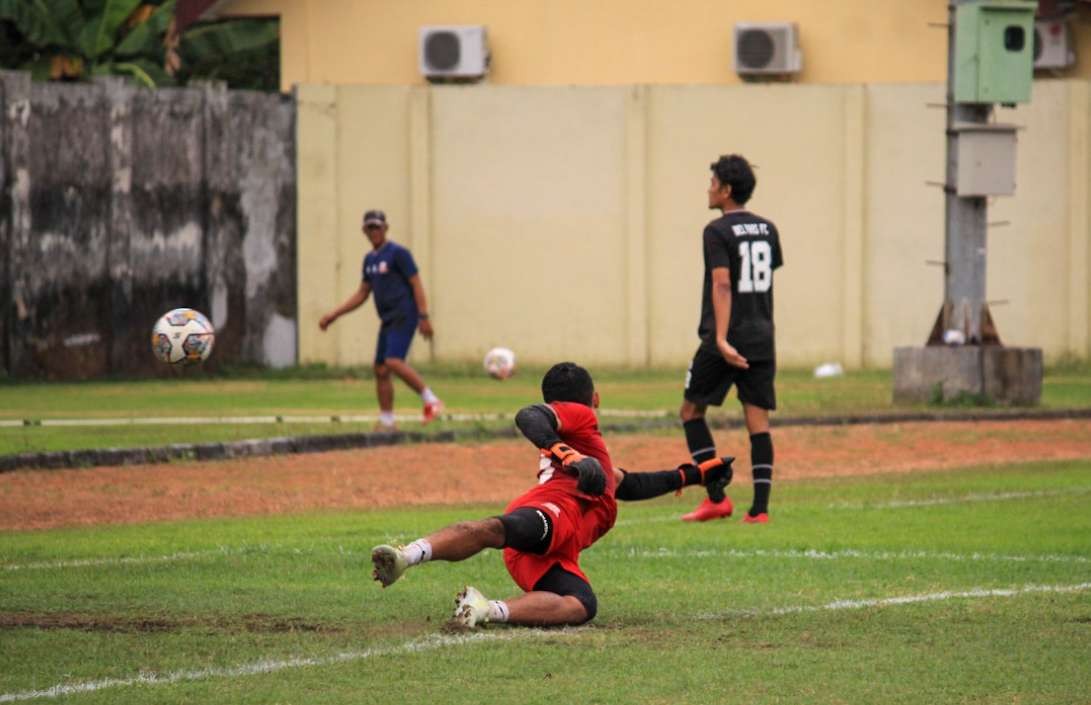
x,y
741,250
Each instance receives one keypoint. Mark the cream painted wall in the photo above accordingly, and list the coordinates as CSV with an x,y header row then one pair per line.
x,y
904,217
1036,296
560,42
354,154
800,169
528,217
616,42
565,221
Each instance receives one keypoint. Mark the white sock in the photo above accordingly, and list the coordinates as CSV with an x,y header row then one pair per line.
x,y
498,611
417,552
428,396
386,418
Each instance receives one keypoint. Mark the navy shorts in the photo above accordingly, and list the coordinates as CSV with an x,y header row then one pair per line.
x,y
394,340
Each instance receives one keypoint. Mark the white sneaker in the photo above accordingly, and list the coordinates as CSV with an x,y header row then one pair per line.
x,y
389,564
471,608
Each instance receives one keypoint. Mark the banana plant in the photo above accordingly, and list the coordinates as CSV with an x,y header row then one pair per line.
x,y
79,39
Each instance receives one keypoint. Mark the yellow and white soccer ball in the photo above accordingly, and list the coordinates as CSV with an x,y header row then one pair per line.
x,y
183,336
500,363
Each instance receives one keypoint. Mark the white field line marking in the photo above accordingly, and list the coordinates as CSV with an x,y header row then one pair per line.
x,y
441,641
790,553
905,503
963,499
140,560
902,600
846,553
428,643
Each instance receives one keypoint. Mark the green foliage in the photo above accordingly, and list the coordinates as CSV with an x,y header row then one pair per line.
x,y
73,40
242,53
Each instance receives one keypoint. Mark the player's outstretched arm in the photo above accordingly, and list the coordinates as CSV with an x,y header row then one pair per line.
x,y
539,424
635,486
351,304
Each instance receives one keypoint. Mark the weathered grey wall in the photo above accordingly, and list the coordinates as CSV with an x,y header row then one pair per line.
x,y
118,203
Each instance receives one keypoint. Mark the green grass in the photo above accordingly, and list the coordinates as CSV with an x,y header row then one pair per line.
x,y
688,614
322,392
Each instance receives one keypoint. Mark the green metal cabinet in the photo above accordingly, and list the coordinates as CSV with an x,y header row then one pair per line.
x,y
994,51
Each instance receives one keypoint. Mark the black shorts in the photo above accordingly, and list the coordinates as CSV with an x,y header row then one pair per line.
x,y
710,377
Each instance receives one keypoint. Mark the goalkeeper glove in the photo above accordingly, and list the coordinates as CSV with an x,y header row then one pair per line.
x,y
591,478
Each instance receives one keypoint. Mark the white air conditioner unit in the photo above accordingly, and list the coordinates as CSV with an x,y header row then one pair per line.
x,y
454,52
767,48
1053,47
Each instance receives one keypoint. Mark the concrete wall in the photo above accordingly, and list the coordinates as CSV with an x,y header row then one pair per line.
x,y
617,42
566,221
118,204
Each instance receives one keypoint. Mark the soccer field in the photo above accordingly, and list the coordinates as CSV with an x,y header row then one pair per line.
x,y
971,585
122,414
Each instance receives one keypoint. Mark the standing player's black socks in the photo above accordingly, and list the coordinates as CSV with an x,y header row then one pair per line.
x,y
761,459
702,448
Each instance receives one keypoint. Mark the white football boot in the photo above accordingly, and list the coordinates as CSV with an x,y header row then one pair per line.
x,y
471,608
389,563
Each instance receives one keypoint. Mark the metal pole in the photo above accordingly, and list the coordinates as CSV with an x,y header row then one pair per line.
x,y
965,217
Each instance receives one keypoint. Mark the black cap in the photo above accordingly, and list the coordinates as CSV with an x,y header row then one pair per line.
x,y
374,218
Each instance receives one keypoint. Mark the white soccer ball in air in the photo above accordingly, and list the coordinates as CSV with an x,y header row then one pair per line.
x,y
183,337
500,363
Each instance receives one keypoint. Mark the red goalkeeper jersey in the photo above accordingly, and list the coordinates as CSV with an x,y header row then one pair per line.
x,y
579,519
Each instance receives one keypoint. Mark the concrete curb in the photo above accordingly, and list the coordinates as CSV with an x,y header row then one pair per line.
x,y
285,445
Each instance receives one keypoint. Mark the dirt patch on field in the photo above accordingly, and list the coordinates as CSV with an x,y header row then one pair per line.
x,y
493,472
127,624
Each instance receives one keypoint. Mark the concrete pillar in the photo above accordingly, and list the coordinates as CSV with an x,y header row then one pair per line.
x,y
853,297
637,305
420,200
119,95
16,118
225,272
1079,223
978,373
317,218
5,238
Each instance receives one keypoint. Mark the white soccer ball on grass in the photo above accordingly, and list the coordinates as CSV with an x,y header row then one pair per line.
x,y
500,363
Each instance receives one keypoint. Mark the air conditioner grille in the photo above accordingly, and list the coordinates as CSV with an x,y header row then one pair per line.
x,y
442,50
756,49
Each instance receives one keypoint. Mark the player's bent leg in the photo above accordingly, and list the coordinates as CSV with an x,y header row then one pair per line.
x,y
433,407
559,597
539,608
405,373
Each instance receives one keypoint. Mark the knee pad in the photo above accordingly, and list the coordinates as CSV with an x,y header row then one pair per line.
x,y
527,529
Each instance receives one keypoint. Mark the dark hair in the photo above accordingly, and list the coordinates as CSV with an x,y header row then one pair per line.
x,y
733,170
567,381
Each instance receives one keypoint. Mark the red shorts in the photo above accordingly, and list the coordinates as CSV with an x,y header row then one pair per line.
x,y
576,525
